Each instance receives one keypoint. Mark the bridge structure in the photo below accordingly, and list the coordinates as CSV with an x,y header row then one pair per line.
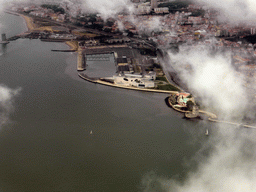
x,y
213,118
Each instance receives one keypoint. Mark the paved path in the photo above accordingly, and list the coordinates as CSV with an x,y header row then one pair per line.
x,y
97,80
209,114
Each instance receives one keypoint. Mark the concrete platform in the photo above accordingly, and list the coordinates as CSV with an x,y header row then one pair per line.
x,y
4,42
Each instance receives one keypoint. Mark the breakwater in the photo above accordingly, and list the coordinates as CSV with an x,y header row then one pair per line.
x,y
232,123
63,50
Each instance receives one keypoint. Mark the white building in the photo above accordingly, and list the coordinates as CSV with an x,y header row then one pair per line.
x,y
135,80
161,10
144,8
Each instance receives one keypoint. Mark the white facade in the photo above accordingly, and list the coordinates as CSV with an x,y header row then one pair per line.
x,y
161,10
134,80
144,8
151,75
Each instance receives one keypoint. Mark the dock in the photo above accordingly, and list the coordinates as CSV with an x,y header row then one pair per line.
x,y
4,42
63,50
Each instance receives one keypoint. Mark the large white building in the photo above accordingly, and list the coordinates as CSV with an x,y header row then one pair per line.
x,y
144,8
136,80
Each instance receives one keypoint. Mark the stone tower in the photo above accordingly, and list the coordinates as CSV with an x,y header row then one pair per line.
x,y
81,60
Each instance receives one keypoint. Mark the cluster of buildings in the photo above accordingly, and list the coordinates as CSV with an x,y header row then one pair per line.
x,y
192,25
126,75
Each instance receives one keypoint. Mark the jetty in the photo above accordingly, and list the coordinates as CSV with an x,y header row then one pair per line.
x,y
232,123
55,50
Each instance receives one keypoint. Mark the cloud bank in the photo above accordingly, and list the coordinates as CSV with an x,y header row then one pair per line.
x,y
212,77
230,164
6,103
230,167
107,8
234,10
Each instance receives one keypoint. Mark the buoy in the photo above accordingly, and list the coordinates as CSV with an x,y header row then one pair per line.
x,y
206,132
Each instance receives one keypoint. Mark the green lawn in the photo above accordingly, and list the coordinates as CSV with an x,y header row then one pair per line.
x,y
167,87
161,78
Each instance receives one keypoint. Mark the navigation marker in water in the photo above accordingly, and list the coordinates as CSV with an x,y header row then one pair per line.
x,y
4,40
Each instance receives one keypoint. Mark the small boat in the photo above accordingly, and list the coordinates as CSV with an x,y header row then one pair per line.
x,y
206,132
91,132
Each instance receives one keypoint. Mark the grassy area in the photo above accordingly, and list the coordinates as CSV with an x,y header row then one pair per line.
x,y
81,34
46,28
161,78
167,87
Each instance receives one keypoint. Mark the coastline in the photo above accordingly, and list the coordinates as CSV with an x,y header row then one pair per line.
x,y
29,22
30,25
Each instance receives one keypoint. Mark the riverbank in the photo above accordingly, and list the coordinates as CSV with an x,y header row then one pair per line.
x,y
29,22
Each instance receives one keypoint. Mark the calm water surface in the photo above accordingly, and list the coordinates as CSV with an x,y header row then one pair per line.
x,y
47,145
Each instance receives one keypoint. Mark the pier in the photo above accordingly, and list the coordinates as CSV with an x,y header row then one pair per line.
x,y
232,123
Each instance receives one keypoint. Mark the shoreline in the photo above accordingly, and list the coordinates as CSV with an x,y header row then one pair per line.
x,y
98,81
29,22
31,26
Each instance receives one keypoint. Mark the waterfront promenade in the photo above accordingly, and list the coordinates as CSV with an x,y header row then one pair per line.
x,y
99,81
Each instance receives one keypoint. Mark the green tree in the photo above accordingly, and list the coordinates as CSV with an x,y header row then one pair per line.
x,y
190,105
55,8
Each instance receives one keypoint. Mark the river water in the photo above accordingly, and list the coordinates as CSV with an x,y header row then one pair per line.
x,y
46,144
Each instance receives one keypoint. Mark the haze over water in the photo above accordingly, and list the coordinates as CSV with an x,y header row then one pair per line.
x,y
46,145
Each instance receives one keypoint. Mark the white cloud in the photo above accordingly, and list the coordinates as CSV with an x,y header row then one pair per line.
x,y
6,103
154,24
234,10
213,78
229,167
230,163
107,8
